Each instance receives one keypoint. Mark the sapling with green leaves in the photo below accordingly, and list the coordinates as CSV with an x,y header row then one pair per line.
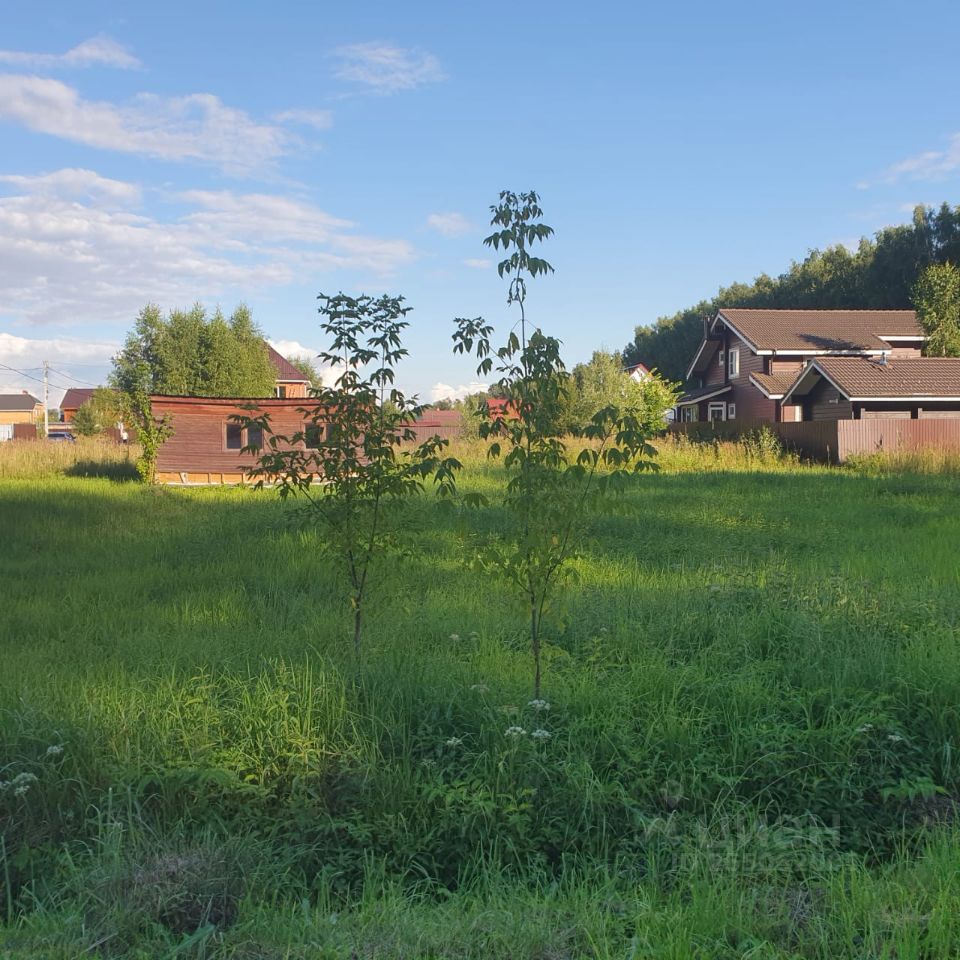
x,y
551,489
353,462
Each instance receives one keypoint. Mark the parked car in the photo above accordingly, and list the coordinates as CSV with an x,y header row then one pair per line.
x,y
61,436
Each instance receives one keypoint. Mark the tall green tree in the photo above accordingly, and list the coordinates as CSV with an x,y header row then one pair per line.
x,y
936,297
193,354
308,368
100,412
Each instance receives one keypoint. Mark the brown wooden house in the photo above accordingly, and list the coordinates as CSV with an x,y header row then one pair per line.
x,y
748,360
290,381
206,444
72,401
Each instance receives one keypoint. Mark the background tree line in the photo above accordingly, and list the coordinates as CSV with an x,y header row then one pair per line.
x,y
882,274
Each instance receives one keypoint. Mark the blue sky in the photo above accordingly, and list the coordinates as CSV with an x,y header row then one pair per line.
x,y
264,152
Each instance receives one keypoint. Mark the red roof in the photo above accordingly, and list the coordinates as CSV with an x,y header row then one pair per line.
x,y
286,371
75,398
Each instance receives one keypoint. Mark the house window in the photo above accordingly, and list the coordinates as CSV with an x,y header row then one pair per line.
x,y
255,436
733,363
234,436
686,414
280,391
720,358
314,435
731,411
716,411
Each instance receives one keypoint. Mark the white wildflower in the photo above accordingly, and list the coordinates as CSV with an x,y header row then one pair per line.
x,y
865,728
455,637
454,741
515,732
895,738
479,687
55,750
541,734
539,705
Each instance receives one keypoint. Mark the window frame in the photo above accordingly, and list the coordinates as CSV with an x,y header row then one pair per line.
x,y
227,427
731,411
733,362
720,405
722,358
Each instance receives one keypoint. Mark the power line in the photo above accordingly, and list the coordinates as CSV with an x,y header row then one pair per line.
x,y
60,373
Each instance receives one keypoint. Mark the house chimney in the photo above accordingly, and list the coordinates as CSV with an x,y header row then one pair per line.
x,y
883,360
706,326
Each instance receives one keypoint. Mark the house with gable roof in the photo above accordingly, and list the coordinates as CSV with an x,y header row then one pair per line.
x,y
749,360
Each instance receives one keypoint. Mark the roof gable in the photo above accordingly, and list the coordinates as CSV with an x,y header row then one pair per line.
x,y
286,371
75,398
901,378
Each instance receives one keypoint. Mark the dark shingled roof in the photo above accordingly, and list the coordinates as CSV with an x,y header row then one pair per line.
x,y
774,384
826,330
695,396
75,398
899,378
286,371
10,402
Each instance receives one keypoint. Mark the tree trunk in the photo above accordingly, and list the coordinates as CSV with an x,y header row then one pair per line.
x,y
357,630
535,649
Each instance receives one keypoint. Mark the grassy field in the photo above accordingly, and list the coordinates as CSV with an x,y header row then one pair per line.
x,y
754,710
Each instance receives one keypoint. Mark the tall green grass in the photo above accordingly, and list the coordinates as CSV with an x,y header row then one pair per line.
x,y
752,679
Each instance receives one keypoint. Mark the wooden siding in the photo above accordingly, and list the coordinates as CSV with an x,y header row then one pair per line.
x,y
751,403
778,367
714,374
869,414
934,414
292,391
22,416
825,403
198,443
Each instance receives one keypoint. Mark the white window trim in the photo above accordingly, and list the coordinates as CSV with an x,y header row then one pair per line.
x,y
731,411
717,405
721,358
733,362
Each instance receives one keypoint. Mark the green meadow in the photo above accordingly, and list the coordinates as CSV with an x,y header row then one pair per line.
x,y
749,748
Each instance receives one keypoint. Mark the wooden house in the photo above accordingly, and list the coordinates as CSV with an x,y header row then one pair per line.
x,y
206,445
72,401
748,360
290,381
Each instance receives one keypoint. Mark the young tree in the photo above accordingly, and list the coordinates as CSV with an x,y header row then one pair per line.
x,y
936,297
550,488
352,462
603,382
98,413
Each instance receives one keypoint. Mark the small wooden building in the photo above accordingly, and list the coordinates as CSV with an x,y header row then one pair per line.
x,y
205,445
72,401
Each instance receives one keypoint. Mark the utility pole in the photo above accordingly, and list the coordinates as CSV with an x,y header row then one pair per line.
x,y
46,401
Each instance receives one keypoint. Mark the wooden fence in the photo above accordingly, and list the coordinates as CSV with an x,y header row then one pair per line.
x,y
834,441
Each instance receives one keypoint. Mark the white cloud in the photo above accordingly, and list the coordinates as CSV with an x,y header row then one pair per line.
x,y
929,165
97,50
71,254
449,224
198,126
478,263
71,362
444,391
385,69
318,119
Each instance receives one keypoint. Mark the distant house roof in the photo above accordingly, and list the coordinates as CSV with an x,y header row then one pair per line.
x,y
900,378
16,402
638,370
75,398
286,371
832,331
439,418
